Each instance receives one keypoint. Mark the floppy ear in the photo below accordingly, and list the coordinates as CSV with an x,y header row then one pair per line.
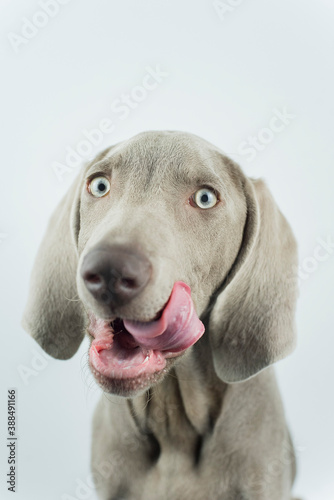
x,y
54,317
252,322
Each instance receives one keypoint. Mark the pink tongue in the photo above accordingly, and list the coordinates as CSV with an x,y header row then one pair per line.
x,y
178,328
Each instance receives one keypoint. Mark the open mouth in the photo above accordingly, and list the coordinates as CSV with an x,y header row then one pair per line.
x,y
124,349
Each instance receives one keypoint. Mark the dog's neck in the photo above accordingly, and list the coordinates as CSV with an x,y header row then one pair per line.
x,y
188,400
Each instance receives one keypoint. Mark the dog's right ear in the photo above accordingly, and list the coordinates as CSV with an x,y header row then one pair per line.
x,y
54,316
252,323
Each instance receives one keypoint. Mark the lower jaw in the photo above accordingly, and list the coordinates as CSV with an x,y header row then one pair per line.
x,y
128,381
129,387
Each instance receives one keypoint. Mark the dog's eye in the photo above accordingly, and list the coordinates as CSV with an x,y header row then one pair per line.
x,y
99,186
205,198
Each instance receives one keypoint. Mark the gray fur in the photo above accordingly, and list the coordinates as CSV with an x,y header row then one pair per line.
x,y
214,426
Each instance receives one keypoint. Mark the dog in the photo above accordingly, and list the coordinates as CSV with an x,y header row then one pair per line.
x,y
180,269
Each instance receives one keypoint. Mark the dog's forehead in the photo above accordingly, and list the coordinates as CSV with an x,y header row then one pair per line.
x,y
160,146
179,158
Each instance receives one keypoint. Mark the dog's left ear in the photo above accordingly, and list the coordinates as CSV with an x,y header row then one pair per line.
x,y
54,316
252,323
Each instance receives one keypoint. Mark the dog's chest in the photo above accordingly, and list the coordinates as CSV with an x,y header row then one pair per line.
x,y
179,416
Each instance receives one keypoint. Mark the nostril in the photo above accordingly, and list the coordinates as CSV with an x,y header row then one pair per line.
x,y
129,283
92,278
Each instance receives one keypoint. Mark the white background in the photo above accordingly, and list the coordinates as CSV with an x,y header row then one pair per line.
x,y
225,78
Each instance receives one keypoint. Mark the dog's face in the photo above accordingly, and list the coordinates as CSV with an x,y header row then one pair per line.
x,y
160,226
154,230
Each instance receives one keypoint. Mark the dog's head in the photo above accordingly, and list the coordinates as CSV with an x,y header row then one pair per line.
x,y
155,233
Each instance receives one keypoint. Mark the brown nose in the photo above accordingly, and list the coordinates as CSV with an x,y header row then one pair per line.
x,y
114,275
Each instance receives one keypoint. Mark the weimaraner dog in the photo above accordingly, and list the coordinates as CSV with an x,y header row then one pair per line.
x,y
180,270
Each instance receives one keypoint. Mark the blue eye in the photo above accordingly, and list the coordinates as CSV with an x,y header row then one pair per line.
x,y
99,186
205,198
